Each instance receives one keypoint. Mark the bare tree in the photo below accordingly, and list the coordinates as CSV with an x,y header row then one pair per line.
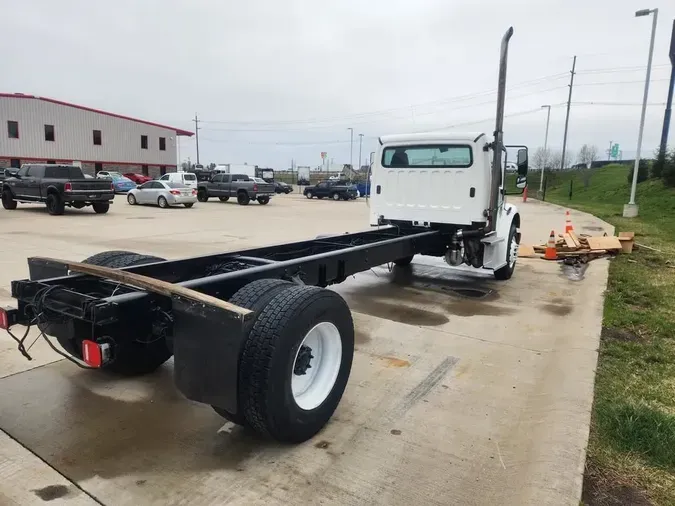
x,y
587,155
556,159
542,159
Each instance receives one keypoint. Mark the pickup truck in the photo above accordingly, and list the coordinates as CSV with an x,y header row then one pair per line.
x,y
334,189
57,186
240,186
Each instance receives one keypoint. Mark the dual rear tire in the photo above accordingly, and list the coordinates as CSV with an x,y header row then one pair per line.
x,y
295,360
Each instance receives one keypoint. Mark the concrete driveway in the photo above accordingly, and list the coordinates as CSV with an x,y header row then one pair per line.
x,y
463,390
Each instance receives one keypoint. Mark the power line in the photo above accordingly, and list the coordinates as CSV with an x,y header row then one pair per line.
x,y
617,103
619,82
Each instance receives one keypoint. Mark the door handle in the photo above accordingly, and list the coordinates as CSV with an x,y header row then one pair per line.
x,y
378,189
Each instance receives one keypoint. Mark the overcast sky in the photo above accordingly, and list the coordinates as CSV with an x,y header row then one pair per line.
x,y
281,80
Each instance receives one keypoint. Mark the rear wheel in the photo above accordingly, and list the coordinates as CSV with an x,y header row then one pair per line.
x,y
162,202
134,354
55,205
263,200
243,199
224,199
8,201
189,205
203,196
296,362
335,196
101,207
402,262
511,256
309,195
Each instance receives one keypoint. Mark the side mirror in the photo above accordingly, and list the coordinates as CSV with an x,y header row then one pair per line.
x,y
521,182
522,162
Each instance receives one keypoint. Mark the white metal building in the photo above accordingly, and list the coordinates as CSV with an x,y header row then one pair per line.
x,y
38,129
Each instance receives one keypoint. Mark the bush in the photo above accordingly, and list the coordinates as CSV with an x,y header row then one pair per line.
x,y
658,165
643,172
668,171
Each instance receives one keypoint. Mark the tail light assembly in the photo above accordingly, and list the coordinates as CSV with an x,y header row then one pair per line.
x,y
96,354
68,187
255,187
194,192
174,192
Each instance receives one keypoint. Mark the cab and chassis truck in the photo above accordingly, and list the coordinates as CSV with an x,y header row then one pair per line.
x,y
255,333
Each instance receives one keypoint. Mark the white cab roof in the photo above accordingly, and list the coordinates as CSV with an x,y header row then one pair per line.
x,y
431,136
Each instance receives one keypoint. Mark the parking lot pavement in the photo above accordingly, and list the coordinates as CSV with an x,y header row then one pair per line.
x,y
463,390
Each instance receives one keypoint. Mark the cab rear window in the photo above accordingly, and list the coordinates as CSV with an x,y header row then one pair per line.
x,y
428,156
189,177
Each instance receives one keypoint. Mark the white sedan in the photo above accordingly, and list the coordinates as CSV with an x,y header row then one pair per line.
x,y
162,194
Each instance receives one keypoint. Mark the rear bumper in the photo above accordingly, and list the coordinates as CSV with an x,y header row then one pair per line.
x,y
88,197
179,199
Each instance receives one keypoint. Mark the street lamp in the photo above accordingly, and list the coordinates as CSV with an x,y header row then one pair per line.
x,y
630,210
548,118
360,145
351,147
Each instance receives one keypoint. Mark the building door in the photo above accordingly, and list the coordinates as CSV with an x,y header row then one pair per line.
x,y
162,169
98,167
15,163
144,170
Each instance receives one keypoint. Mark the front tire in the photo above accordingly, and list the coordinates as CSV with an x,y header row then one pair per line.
x,y
243,199
507,271
202,195
263,200
224,199
101,207
309,195
131,199
55,205
8,201
296,362
335,197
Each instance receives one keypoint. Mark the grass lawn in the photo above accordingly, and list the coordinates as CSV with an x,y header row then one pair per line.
x,y
631,452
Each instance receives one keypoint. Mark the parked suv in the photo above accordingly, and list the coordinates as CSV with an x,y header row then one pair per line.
x,y
240,186
57,186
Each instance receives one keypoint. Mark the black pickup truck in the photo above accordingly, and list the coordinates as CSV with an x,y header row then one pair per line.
x,y
57,186
240,186
337,190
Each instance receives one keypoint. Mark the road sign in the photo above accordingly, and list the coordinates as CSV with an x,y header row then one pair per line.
x,y
324,154
615,150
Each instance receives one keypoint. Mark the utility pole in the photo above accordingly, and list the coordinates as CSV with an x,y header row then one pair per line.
x,y
351,147
196,120
548,118
630,210
609,151
567,116
360,145
669,102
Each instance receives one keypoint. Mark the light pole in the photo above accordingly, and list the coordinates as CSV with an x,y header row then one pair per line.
x,y
360,145
351,147
548,118
630,210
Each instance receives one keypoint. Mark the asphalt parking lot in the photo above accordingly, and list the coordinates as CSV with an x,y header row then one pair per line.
x,y
463,390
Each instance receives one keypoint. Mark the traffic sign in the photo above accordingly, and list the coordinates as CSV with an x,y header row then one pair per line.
x,y
324,154
615,151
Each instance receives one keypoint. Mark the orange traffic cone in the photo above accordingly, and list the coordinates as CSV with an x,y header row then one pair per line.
x,y
568,222
551,253
525,194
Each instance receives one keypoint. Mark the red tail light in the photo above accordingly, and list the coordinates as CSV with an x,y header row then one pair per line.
x,y
68,187
4,319
255,187
112,187
95,354
175,192
194,192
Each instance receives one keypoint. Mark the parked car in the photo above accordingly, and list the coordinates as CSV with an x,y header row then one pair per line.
x,y
282,187
163,194
137,178
186,178
240,186
122,184
5,173
336,190
57,186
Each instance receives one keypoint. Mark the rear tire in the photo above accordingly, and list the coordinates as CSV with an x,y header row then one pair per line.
x,y
136,354
243,199
55,205
189,205
254,296
288,389
224,199
8,201
101,207
162,202
263,200
309,195
402,262
202,195
335,197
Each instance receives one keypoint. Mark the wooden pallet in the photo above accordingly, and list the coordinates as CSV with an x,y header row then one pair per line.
x,y
583,247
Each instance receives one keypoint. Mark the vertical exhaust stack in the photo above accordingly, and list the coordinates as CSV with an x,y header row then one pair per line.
x,y
498,144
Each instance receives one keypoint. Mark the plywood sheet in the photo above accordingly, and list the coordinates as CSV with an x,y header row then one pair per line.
x,y
606,242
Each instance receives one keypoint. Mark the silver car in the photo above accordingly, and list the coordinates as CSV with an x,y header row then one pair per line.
x,y
162,194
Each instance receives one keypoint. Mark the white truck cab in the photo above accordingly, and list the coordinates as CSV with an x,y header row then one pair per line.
x,y
454,183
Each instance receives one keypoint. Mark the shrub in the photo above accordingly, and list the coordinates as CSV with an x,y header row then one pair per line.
x,y
668,172
643,172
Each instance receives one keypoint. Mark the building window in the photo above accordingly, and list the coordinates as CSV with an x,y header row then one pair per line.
x,y
162,169
144,142
49,133
15,163
98,167
13,129
162,143
52,162
97,138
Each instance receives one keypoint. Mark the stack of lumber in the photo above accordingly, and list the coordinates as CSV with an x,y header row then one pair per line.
x,y
582,247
